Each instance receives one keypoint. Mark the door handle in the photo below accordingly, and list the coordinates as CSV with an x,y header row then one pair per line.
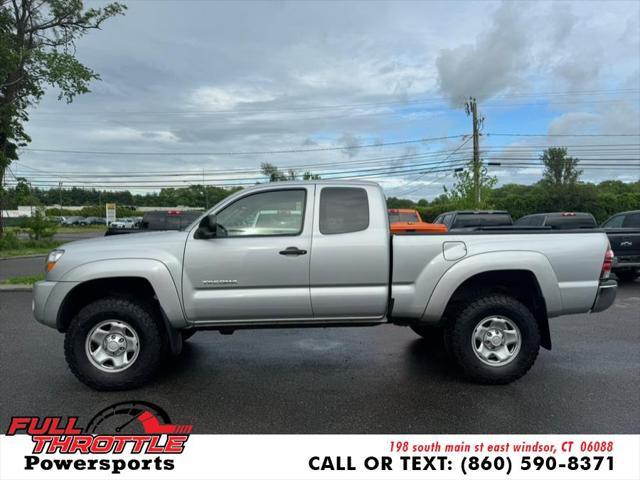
x,y
292,251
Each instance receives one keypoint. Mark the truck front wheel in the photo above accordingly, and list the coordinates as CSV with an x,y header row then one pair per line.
x,y
114,344
494,339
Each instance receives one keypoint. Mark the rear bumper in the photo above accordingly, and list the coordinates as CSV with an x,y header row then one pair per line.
x,y
626,261
606,296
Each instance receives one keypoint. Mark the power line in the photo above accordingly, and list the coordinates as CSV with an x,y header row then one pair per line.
x,y
561,134
452,153
580,149
133,173
264,152
322,149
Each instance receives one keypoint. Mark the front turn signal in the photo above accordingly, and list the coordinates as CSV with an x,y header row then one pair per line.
x,y
52,259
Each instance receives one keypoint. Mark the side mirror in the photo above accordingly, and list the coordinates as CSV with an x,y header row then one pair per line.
x,y
207,227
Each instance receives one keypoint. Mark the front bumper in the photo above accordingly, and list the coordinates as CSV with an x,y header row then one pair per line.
x,y
606,296
47,300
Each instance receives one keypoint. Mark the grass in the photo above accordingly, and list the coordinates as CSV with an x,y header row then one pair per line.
x,y
81,229
12,246
25,251
26,280
68,229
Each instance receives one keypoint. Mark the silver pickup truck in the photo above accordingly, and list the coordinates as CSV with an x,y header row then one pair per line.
x,y
316,254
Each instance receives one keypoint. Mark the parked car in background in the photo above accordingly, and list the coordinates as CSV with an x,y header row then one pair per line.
x,y
93,221
153,221
168,219
406,220
72,221
472,219
123,223
402,215
623,230
558,220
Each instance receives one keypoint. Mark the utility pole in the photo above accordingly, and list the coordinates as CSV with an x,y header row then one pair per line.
x,y
472,109
60,195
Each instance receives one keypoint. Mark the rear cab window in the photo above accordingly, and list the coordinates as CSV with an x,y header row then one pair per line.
x,y
343,210
570,221
464,220
632,220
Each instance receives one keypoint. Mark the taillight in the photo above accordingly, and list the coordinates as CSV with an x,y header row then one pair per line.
x,y
607,264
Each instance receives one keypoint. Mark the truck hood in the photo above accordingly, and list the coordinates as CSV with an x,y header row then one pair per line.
x,y
166,247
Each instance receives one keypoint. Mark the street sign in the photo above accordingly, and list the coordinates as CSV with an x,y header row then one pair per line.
x,y
110,213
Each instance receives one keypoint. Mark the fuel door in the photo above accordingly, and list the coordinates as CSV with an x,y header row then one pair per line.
x,y
454,250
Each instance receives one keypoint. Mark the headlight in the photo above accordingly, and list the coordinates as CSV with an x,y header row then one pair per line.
x,y
53,258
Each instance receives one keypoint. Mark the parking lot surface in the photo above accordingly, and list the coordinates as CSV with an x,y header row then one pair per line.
x,y
347,380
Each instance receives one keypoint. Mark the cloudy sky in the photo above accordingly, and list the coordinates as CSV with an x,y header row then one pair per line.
x,y
363,89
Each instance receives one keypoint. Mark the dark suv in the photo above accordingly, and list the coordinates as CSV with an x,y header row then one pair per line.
x,y
558,220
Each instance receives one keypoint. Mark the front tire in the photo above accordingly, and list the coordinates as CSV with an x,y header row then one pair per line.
x,y
114,344
495,339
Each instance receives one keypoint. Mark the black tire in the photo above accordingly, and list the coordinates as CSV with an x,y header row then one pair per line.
x,y
461,329
627,275
187,334
140,317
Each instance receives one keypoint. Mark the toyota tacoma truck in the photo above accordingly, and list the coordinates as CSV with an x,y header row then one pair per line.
x,y
316,254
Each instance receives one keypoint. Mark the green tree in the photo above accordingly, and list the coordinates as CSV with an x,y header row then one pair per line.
x,y
275,175
37,49
559,168
39,226
463,192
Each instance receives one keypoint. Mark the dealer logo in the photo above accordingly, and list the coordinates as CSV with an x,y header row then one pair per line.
x,y
126,428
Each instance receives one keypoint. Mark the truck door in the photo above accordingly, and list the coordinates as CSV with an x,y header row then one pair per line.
x,y
350,261
257,268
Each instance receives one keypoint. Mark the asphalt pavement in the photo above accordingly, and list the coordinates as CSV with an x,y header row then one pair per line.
x,y
34,265
19,267
381,379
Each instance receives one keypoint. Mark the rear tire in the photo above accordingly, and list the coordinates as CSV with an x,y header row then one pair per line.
x,y
100,327
494,339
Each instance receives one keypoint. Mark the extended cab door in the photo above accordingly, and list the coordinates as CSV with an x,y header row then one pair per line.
x,y
350,261
257,267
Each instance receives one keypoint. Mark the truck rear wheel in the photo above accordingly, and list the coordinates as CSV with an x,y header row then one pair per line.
x,y
114,344
494,339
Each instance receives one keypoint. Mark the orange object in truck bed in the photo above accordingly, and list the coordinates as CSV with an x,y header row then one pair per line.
x,y
406,220
411,227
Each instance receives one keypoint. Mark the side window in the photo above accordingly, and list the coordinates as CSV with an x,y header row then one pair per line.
x,y
266,214
632,221
538,220
343,210
447,219
614,222
524,221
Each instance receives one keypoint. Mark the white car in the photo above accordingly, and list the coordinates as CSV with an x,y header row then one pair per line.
x,y
125,223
